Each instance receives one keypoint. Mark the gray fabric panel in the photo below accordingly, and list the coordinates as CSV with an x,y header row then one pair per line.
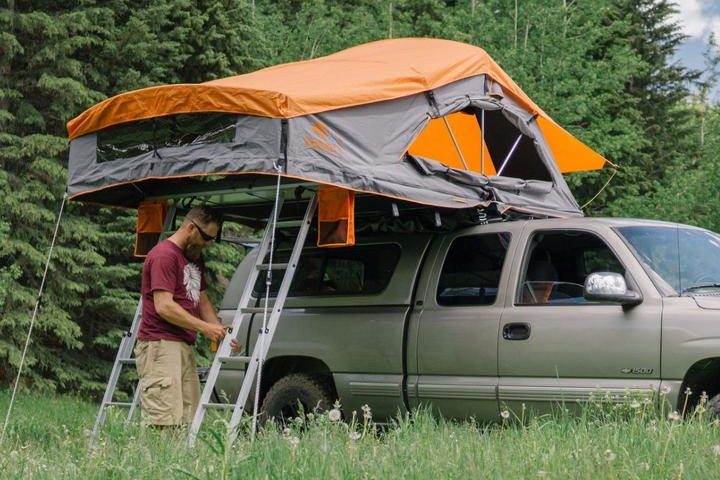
x,y
80,160
531,196
259,143
361,137
259,136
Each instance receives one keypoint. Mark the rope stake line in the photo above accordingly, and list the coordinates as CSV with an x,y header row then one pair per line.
x,y
34,316
615,170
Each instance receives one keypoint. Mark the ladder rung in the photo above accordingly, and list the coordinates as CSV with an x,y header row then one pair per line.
x,y
127,361
238,360
255,310
275,266
119,404
224,406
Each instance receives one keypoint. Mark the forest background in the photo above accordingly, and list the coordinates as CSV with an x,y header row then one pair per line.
x,y
604,69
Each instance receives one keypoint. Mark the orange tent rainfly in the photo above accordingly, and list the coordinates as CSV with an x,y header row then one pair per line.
x,y
432,122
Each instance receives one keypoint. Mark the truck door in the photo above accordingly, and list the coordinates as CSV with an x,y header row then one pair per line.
x,y
555,347
452,347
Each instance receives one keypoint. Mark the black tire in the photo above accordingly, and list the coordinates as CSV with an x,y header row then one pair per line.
x,y
295,393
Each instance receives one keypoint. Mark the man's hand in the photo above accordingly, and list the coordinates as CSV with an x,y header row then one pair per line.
x,y
235,346
214,331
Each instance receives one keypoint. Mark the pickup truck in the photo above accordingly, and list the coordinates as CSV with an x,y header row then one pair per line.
x,y
507,315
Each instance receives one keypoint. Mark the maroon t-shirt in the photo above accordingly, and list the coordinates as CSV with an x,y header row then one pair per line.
x,y
167,268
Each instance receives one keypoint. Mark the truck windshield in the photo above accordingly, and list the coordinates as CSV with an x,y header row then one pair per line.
x,y
684,259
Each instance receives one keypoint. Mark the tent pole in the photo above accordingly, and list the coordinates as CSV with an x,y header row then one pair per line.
x,y
457,147
510,153
34,316
482,141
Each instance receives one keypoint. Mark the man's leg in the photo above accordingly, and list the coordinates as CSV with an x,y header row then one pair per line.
x,y
159,367
190,384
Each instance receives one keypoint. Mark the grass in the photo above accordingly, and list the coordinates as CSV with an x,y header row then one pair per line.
x,y
48,438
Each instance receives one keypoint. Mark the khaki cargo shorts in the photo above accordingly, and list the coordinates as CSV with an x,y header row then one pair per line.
x,y
169,384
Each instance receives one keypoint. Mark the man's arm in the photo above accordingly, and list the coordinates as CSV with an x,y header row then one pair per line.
x,y
171,312
207,310
209,314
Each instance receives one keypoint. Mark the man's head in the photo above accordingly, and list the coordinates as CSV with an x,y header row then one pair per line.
x,y
198,230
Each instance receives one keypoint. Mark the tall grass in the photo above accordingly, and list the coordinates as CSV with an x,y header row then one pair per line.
x,y
48,438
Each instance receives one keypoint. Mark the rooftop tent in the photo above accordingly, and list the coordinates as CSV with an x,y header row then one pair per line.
x,y
396,118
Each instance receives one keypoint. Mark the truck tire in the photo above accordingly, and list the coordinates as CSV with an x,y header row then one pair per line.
x,y
288,395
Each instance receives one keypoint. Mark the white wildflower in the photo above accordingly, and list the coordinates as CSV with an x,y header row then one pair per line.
x,y
609,455
294,441
644,466
334,415
688,392
287,432
505,414
541,473
310,417
716,449
673,416
367,414
665,390
634,404
355,436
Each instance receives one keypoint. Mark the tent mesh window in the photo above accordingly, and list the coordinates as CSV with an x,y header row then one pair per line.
x,y
145,136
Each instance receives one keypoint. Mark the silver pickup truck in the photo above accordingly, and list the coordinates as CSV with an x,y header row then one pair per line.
x,y
494,316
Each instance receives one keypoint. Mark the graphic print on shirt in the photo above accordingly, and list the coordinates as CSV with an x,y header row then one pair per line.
x,y
191,280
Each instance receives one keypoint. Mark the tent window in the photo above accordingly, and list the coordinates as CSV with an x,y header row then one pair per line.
x,y
500,137
137,138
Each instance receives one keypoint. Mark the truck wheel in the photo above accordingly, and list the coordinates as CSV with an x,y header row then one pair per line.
x,y
293,392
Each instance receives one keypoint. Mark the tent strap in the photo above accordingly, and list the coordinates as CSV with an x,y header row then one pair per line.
x,y
34,316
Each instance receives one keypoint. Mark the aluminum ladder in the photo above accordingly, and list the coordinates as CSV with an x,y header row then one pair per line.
x,y
255,361
125,355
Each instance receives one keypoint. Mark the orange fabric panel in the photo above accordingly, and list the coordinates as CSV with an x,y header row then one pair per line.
x,y
570,153
336,217
368,73
150,221
436,143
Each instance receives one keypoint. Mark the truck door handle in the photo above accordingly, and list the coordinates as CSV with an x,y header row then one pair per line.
x,y
516,331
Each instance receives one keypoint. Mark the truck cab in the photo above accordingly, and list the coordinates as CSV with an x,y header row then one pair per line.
x,y
508,315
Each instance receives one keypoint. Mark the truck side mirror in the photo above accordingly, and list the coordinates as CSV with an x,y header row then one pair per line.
x,y
609,287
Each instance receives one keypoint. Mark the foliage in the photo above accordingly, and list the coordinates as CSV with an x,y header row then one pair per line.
x,y
49,439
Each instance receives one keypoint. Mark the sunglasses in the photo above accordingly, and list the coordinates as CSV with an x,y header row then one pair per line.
x,y
203,234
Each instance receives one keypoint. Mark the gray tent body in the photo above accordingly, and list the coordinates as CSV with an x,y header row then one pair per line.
x,y
362,148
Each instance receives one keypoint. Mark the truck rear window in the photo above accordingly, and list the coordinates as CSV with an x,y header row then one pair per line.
x,y
471,273
358,270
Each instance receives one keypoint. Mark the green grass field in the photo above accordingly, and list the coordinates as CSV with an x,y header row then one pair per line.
x,y
48,438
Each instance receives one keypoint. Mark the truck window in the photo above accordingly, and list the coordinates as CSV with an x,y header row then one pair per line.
x,y
358,270
557,264
471,272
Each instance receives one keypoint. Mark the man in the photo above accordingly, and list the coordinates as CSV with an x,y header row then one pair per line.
x,y
175,307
